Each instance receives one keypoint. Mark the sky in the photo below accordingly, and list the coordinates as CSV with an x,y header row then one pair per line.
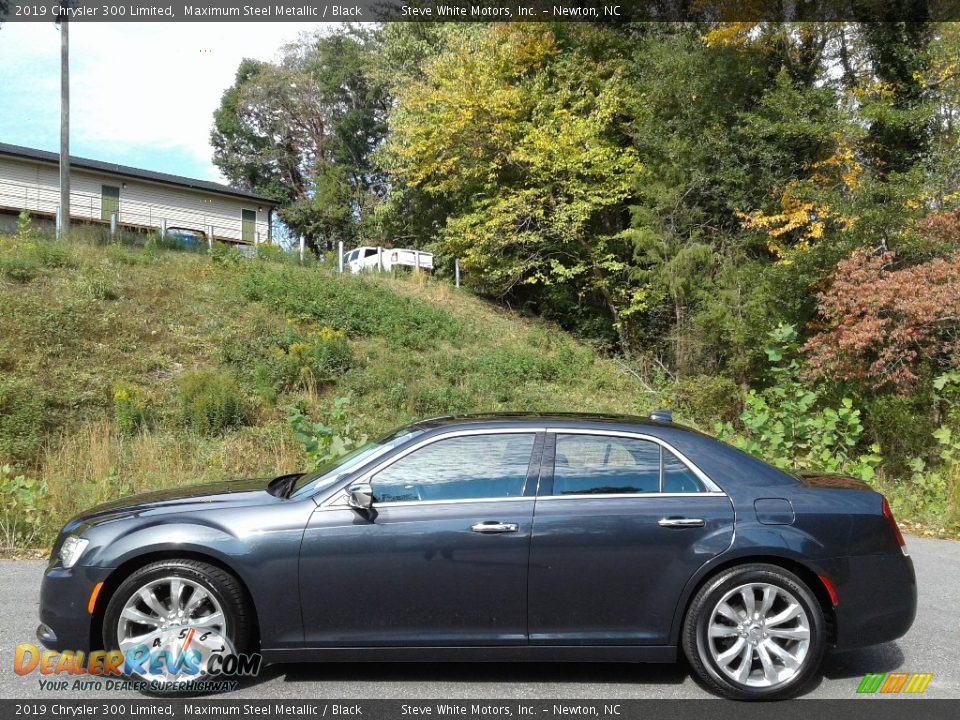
x,y
142,94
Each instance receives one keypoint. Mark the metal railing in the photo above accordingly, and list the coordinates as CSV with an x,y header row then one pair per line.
x,y
87,207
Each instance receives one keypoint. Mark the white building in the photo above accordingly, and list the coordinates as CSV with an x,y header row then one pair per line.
x,y
141,199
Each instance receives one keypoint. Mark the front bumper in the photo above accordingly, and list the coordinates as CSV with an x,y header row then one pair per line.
x,y
878,598
64,595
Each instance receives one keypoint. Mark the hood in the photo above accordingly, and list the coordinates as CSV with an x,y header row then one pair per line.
x,y
233,492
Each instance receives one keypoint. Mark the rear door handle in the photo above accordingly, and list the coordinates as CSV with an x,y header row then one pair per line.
x,y
681,522
491,527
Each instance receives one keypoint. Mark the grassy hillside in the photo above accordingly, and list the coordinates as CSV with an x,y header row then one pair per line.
x,y
125,368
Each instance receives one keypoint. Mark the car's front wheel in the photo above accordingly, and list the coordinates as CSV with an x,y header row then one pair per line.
x,y
755,632
169,618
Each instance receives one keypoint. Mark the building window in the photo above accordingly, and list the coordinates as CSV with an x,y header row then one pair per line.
x,y
248,225
109,202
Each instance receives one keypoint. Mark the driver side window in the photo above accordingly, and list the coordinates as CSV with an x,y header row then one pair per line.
x,y
460,468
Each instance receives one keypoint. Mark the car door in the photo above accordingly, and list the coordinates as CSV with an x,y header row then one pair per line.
x,y
628,518
439,560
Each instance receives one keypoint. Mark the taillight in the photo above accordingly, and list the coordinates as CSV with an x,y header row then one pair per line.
x,y
888,514
393,257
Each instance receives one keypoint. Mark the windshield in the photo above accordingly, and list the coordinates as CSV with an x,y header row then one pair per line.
x,y
329,473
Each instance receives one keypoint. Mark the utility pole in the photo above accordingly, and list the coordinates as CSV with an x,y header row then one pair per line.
x,y
64,121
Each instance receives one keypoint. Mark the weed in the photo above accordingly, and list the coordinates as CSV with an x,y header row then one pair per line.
x,y
22,509
129,408
325,441
210,402
96,286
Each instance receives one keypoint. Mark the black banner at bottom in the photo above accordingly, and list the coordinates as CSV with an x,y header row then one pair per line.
x,y
893,708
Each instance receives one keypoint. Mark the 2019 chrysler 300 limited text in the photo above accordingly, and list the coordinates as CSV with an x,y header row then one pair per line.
x,y
501,537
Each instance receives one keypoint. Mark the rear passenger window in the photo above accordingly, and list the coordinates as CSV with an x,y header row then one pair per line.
x,y
612,465
605,465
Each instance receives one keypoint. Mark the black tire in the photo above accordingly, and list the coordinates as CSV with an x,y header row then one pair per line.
x,y
220,584
695,638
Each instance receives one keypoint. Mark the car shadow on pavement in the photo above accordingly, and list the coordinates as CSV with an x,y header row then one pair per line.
x,y
859,662
493,673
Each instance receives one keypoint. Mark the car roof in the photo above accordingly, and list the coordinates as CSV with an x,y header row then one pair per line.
x,y
730,468
532,418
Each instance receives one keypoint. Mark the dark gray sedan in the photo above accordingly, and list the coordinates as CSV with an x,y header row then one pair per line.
x,y
495,538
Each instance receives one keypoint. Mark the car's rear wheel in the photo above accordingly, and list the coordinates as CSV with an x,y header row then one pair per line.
x,y
755,632
171,617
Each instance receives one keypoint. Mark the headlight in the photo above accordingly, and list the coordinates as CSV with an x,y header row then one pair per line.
x,y
72,549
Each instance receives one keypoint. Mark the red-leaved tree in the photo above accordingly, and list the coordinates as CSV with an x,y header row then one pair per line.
x,y
942,227
884,324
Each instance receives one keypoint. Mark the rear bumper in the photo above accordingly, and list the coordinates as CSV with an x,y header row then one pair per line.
x,y
64,595
877,598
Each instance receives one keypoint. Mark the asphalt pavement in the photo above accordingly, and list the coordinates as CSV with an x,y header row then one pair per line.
x,y
931,646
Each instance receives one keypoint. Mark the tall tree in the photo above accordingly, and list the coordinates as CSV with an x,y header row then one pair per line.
x,y
900,123
302,131
518,133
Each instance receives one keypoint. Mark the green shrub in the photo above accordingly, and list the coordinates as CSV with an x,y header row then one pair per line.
x,y
52,254
903,427
19,267
926,493
24,258
326,441
24,417
210,402
708,399
308,359
129,408
787,425
226,255
22,509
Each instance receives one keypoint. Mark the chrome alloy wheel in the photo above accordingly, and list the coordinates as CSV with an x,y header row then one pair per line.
x,y
759,635
175,615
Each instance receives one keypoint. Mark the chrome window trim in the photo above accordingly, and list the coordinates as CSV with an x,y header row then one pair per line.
x,y
337,498
466,501
630,496
712,489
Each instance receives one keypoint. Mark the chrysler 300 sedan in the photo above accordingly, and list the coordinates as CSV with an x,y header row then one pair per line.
x,y
500,538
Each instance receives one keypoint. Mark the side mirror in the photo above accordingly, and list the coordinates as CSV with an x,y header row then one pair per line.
x,y
360,496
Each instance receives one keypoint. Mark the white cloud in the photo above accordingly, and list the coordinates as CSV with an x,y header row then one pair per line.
x,y
144,87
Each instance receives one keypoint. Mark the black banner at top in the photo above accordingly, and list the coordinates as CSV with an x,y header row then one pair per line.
x,y
612,11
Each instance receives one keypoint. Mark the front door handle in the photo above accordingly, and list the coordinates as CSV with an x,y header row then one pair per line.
x,y
681,522
491,527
